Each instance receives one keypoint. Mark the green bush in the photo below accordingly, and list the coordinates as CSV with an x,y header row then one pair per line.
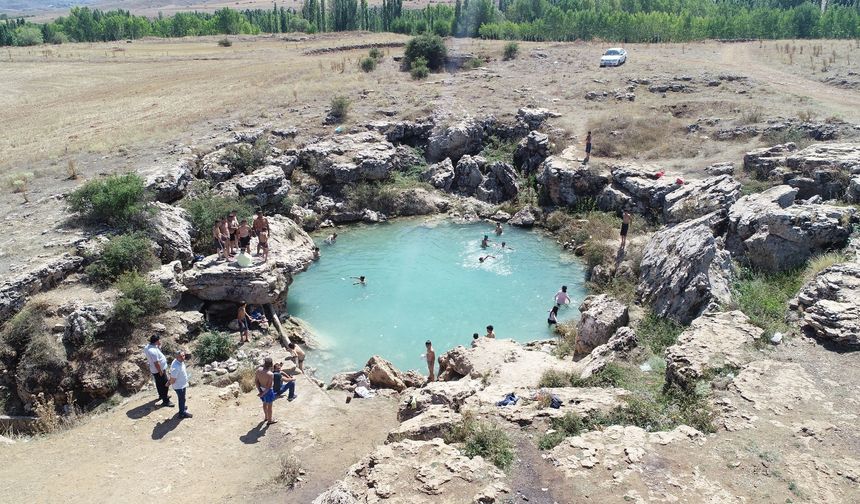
x,y
612,375
138,299
27,35
497,149
663,410
553,378
658,333
117,200
339,107
764,297
214,346
427,46
367,64
491,443
205,208
419,70
375,53
570,424
550,440
19,330
225,42
473,63
248,158
123,253
511,50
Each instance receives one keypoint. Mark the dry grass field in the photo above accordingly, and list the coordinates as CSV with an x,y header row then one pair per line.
x,y
122,106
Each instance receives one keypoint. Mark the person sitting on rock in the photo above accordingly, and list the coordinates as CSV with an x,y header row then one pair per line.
x,y
244,232
299,354
475,337
490,332
244,327
283,382
257,316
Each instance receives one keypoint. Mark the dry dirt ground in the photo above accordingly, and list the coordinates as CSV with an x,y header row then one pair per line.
x,y
223,454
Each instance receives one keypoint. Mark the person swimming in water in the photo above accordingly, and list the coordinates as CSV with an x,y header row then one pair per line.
x,y
485,242
505,247
361,280
331,239
499,229
552,319
484,258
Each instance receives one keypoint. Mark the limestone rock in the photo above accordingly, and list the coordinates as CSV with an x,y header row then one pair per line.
x,y
467,174
612,199
171,230
96,380
712,341
86,322
434,422
351,158
717,169
531,152
535,117
525,217
455,141
762,161
830,305
685,270
170,277
565,183
15,292
418,201
641,183
619,345
583,401
383,374
418,472
169,183
268,185
499,184
455,364
773,233
602,315
449,394
440,175
403,132
776,386
701,198
290,250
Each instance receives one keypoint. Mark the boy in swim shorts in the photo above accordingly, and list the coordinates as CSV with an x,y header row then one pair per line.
x,y
265,381
244,232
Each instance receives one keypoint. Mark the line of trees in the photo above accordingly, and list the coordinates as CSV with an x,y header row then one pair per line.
x,y
623,20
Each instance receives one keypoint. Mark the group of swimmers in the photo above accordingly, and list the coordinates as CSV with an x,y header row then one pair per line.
x,y
231,236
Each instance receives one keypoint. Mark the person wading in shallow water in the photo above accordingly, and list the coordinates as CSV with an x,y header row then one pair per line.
x,y
626,219
265,381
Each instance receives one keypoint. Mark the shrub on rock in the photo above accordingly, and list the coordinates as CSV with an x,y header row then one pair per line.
x,y
139,298
206,208
123,253
117,200
214,346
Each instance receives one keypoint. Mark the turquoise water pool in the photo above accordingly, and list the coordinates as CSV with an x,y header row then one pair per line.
x,y
424,281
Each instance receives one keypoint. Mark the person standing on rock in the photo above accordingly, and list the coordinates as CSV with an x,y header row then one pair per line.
x,y
179,382
431,361
233,224
158,368
261,224
244,323
626,219
225,235
265,382
219,241
244,232
587,148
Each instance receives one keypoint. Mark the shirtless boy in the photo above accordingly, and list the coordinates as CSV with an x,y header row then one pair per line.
x,y
260,224
263,241
484,258
244,323
431,361
265,380
490,332
300,355
225,235
244,232
219,241
233,224
499,229
485,242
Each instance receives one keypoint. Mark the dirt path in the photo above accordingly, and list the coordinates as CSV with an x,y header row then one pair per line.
x,y
138,453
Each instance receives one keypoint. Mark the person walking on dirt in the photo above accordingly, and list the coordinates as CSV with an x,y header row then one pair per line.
x,y
625,226
265,382
179,382
158,368
587,148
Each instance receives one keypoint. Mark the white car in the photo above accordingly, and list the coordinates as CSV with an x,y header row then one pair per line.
x,y
613,57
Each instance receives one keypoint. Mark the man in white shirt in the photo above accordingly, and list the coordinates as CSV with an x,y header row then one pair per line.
x,y
179,382
158,368
561,296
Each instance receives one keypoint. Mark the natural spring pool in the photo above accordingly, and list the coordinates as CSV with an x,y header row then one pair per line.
x,y
424,281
